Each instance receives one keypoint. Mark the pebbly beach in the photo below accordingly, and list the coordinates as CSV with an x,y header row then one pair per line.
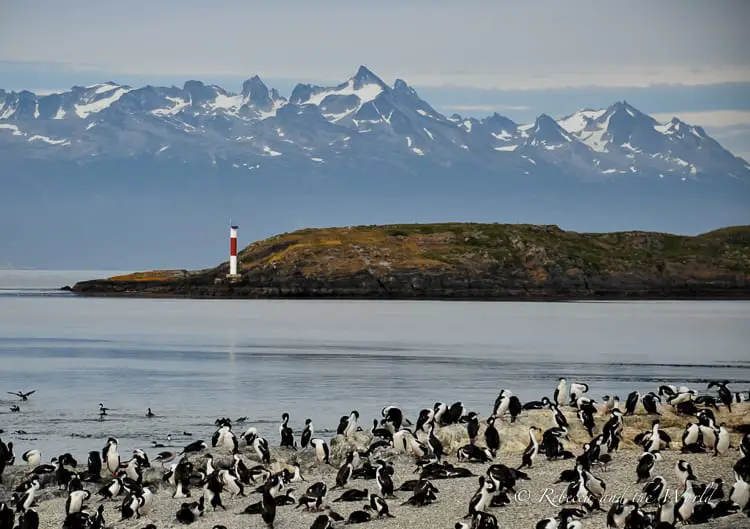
x,y
536,493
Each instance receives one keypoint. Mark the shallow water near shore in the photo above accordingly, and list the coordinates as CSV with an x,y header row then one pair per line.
x,y
192,361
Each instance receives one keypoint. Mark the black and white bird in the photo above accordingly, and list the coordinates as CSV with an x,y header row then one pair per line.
x,y
286,433
723,441
322,452
260,445
345,472
492,436
725,394
560,397
558,417
224,438
28,519
435,444
631,402
348,424
586,417
383,479
611,403
472,426
691,438
650,403
381,432
25,500
111,490
379,506
532,449
645,466
684,472
75,501
394,416
307,433
111,456
577,390
455,413
33,458
536,404
655,490
683,509
323,521
190,512
425,418
502,403
194,447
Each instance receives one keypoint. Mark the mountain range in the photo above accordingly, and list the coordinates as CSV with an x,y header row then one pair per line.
x,y
358,152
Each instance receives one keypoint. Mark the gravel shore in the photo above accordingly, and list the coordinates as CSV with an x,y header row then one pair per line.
x,y
535,499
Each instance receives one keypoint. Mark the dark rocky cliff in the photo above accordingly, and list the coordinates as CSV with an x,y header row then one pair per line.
x,y
465,261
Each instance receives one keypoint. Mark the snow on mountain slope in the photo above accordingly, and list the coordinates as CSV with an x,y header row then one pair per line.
x,y
97,104
360,121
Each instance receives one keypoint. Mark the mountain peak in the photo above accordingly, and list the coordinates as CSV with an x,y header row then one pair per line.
x,y
400,85
365,76
623,106
255,91
547,130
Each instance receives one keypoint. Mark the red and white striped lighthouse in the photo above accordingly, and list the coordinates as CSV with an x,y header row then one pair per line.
x,y
233,250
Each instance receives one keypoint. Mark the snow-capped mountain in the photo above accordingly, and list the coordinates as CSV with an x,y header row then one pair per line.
x,y
362,117
362,151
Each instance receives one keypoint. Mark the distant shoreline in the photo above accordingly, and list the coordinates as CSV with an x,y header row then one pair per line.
x,y
462,262
743,296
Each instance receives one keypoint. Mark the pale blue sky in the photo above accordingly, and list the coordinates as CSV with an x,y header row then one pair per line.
x,y
520,58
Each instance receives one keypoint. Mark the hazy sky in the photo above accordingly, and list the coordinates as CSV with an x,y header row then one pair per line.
x,y
520,58
514,44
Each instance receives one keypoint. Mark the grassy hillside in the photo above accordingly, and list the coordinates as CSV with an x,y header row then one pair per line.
x,y
467,260
459,246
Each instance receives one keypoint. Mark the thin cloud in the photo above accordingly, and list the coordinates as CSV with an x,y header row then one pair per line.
x,y
712,118
472,43
487,108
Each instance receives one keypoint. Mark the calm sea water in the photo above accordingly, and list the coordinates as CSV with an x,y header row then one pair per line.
x,y
195,360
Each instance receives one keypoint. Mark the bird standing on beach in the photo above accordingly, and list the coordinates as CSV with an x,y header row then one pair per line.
x,y
649,402
532,449
348,425
111,456
472,426
286,433
33,458
307,433
501,403
322,451
561,392
632,402
725,394
268,507
492,436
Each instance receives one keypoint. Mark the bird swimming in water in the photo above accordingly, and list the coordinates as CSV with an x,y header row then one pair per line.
x,y
15,408
21,395
150,414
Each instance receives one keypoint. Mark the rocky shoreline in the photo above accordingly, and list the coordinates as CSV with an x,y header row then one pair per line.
x,y
463,262
536,498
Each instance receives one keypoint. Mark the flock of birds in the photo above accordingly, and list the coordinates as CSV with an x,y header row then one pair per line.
x,y
109,477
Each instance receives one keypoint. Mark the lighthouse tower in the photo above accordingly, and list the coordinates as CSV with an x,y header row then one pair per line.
x,y
233,251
